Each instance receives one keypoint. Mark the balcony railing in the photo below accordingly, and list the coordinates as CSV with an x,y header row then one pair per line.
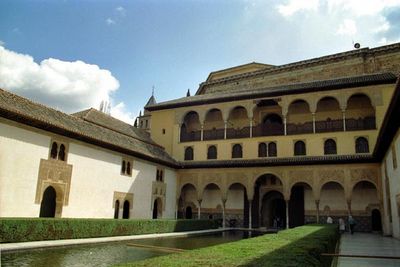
x,y
232,133
299,128
191,136
214,134
328,126
366,123
268,130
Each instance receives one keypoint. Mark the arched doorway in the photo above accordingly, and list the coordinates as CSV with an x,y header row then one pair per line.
x,y
332,202
212,202
237,205
48,204
189,213
273,210
157,208
376,221
125,211
188,197
300,196
116,210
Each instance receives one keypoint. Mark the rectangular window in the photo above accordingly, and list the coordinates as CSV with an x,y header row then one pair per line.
x,y
126,167
160,175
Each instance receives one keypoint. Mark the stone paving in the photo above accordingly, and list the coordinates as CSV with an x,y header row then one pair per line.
x,y
368,244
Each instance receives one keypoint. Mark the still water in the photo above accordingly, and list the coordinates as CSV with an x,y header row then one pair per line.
x,y
107,254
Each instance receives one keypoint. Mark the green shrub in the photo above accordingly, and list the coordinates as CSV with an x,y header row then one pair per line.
x,y
33,229
301,246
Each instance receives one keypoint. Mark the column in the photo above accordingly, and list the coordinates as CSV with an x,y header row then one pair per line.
x,y
313,122
250,204
251,127
284,125
317,207
199,208
349,206
179,132
202,132
344,119
225,125
223,212
287,214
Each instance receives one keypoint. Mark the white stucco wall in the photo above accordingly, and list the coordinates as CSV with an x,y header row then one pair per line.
x,y
95,177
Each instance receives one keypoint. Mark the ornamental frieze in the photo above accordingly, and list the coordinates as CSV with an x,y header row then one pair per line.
x,y
360,174
330,175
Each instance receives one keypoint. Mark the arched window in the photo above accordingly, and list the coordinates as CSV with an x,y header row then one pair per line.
x,y
116,210
362,145
330,147
125,211
189,153
237,151
299,148
212,152
61,153
272,151
123,167
128,168
54,148
262,150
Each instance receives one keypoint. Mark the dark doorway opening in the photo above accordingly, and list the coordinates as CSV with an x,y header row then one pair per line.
x,y
48,205
188,213
116,211
296,207
273,210
376,222
125,211
155,209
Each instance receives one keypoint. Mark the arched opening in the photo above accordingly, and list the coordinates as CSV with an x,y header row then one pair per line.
x,y
299,148
128,168
48,204
237,206
364,198
333,202
272,125
267,118
188,197
330,147
328,117
191,127
262,150
301,199
376,220
237,151
299,118
157,208
238,123
273,210
213,125
362,145
263,184
188,213
212,202
360,114
189,153
272,150
61,153
54,149
125,211
123,167
116,209
212,152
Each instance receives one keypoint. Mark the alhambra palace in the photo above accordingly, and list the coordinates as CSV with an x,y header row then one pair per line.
x,y
257,146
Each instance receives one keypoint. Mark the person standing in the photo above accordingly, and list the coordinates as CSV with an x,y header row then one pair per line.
x,y
342,226
352,223
329,220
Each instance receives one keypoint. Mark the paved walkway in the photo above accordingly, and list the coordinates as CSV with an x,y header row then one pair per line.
x,y
371,245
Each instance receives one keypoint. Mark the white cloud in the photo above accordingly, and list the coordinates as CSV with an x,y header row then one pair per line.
x,y
121,11
361,7
294,6
110,21
2,43
348,27
119,111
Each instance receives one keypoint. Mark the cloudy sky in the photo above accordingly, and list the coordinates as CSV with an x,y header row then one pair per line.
x,y
72,55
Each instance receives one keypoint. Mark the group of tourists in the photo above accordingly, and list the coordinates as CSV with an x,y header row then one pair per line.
x,y
342,224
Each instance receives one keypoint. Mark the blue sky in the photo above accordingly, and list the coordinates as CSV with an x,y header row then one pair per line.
x,y
73,54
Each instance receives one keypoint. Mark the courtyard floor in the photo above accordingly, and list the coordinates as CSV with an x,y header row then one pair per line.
x,y
371,245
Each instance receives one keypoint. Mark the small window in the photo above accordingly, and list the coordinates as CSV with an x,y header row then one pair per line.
x,y
61,153
160,175
330,147
123,167
54,148
147,124
163,131
126,167
189,153
272,151
237,151
262,150
362,145
299,148
212,152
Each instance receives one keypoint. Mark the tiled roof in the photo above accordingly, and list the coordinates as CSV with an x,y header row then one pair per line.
x,y
20,109
340,83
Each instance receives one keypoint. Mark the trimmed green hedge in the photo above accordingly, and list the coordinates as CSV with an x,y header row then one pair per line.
x,y
299,246
33,229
